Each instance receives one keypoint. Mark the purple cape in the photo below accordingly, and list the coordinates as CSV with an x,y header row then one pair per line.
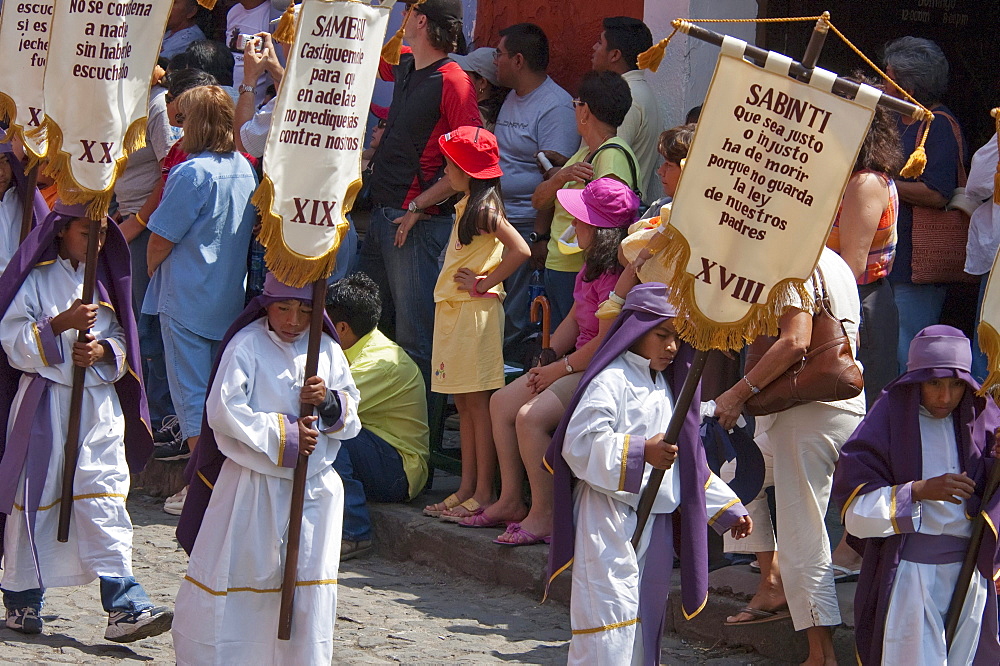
x,y
203,469
885,450
114,287
40,208
694,471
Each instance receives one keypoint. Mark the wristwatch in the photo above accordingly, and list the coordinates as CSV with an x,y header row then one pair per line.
x,y
535,237
569,368
413,208
244,88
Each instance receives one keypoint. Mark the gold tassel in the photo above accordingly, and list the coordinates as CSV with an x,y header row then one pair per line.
x,y
989,344
996,177
390,51
914,166
287,265
8,112
285,32
650,59
207,4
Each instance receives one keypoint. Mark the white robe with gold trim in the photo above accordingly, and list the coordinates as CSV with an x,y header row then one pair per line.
x,y
227,605
100,530
604,606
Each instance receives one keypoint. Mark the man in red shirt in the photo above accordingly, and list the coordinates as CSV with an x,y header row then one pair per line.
x,y
412,209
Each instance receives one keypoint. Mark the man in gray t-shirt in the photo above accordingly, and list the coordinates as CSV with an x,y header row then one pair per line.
x,y
536,115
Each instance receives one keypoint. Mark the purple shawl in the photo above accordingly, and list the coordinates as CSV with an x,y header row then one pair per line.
x,y
41,209
645,308
113,288
206,461
885,450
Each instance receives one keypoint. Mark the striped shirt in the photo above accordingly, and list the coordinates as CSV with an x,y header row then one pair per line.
x,y
883,248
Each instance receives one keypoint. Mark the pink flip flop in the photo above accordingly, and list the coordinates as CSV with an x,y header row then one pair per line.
x,y
522,537
482,520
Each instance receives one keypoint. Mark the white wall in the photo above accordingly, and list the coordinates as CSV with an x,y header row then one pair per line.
x,y
683,77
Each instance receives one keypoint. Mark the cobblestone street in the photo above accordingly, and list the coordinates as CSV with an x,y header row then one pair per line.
x,y
388,612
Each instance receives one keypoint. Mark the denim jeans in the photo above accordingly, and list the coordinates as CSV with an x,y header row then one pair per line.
x,y
117,594
516,308
980,366
347,256
154,368
559,290
406,277
919,306
189,358
372,471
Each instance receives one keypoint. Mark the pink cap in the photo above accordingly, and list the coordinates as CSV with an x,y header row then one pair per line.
x,y
604,202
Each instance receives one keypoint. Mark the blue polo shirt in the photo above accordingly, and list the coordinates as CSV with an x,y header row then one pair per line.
x,y
206,212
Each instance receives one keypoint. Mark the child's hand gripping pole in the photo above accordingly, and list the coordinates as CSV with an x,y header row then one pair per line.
x,y
673,432
299,480
72,449
971,556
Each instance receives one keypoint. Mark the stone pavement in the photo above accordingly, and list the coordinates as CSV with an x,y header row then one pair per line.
x,y
389,612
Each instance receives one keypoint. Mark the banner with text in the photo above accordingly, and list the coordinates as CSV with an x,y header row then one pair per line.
x,y
100,62
758,195
989,327
24,43
312,162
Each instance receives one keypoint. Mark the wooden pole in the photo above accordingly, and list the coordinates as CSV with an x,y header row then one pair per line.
x,y
816,41
971,558
299,480
72,448
673,432
28,200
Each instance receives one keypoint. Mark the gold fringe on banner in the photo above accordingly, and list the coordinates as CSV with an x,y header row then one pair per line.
x,y
207,4
292,268
704,333
989,344
8,110
58,167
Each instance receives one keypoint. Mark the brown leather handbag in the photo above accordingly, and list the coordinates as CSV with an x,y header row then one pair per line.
x,y
826,373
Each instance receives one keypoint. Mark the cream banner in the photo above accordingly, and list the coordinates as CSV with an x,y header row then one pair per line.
x,y
100,61
312,162
758,195
989,328
24,43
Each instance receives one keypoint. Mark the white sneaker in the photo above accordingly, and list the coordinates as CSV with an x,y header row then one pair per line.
x,y
128,626
174,504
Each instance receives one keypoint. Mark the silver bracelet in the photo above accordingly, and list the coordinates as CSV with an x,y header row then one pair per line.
x,y
615,298
753,389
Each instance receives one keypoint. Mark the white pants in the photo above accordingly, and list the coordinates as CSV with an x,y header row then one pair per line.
x,y
800,447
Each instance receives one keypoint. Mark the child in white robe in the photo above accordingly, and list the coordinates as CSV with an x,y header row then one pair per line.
x,y
39,332
611,441
229,599
909,479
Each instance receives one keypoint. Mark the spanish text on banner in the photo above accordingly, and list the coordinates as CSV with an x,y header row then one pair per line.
x,y
100,61
757,198
312,162
24,44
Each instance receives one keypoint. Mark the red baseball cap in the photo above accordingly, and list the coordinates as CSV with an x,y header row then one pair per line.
x,y
380,112
474,150
604,202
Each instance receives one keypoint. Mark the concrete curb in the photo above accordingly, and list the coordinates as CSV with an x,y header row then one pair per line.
x,y
402,532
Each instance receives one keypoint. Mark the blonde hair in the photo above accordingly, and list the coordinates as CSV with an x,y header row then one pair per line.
x,y
208,120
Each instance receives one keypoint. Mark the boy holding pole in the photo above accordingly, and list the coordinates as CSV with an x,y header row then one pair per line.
x,y
909,481
40,296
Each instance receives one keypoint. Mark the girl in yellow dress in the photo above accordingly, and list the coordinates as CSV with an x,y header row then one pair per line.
x,y
467,358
